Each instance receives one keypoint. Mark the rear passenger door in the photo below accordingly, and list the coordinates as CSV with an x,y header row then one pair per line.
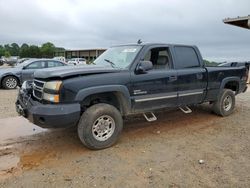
x,y
191,75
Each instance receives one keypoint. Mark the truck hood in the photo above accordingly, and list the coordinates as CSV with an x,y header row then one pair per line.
x,y
69,71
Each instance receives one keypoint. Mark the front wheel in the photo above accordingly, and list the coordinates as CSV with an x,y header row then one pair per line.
x,y
10,82
100,126
225,104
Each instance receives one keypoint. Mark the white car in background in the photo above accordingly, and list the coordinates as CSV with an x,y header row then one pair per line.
x,y
60,58
77,61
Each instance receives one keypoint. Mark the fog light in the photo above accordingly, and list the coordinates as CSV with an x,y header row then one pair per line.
x,y
51,97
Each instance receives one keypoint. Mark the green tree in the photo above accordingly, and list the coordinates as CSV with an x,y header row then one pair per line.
x,y
210,63
7,54
24,50
47,50
7,48
14,49
34,51
2,51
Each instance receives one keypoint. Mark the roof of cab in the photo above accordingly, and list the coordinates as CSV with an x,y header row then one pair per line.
x,y
152,44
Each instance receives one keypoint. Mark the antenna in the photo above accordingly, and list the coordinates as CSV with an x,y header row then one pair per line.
x,y
139,41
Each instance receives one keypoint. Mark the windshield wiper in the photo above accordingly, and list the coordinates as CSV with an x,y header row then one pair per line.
x,y
110,62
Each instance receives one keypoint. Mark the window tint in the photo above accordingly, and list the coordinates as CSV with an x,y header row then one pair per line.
x,y
36,65
54,64
186,57
159,57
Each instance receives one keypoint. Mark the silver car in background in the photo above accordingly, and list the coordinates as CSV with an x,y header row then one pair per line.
x,y
12,77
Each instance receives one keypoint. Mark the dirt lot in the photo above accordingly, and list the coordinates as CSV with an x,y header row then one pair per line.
x,y
164,153
7,103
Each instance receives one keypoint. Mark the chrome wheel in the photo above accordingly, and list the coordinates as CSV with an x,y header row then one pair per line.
x,y
11,83
103,128
227,103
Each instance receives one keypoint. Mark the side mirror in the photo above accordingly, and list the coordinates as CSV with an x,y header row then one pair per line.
x,y
144,66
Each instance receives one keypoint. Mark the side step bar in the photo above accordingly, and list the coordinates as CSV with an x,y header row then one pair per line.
x,y
150,117
185,109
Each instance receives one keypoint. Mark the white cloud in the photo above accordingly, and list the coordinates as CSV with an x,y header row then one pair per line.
x,y
97,23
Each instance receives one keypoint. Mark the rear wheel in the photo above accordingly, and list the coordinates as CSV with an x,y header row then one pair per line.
x,y
225,105
100,126
10,82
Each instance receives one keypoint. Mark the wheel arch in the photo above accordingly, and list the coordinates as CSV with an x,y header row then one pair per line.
x,y
232,83
6,75
118,95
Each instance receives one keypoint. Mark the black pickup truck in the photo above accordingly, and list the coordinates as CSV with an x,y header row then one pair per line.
x,y
126,80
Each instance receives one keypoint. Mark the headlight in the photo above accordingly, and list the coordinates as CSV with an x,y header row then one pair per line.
x,y
50,91
51,97
53,85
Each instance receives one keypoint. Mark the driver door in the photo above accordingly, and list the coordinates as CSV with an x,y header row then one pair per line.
x,y
157,88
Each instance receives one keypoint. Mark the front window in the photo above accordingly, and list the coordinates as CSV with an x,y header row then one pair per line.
x,y
118,57
36,65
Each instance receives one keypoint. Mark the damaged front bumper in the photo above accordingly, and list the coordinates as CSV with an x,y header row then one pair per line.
x,y
47,115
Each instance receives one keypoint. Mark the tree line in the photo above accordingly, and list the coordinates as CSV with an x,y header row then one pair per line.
x,y
46,50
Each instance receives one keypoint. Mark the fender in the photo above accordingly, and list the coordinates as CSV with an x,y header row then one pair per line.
x,y
229,79
123,97
10,74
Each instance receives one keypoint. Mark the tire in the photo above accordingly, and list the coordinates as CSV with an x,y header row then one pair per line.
x,y
10,82
94,120
225,104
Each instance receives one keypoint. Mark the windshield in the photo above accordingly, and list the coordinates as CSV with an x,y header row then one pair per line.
x,y
118,57
26,62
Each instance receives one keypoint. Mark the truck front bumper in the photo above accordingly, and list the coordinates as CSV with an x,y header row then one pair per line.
x,y
47,115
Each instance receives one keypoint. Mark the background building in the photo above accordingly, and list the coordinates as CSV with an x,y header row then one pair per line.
x,y
239,21
88,54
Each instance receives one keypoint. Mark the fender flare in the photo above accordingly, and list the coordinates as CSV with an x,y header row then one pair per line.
x,y
123,94
230,79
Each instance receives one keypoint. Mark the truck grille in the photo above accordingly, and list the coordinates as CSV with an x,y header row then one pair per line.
x,y
38,89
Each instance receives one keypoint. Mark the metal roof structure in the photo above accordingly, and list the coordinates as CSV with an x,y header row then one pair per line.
x,y
239,21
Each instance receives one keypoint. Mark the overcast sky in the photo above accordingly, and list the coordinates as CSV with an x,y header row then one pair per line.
x,y
79,24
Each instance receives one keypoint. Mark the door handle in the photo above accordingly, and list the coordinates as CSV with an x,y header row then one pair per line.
x,y
172,78
199,76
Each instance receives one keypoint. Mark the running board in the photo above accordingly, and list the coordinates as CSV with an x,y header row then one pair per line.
x,y
151,118
185,109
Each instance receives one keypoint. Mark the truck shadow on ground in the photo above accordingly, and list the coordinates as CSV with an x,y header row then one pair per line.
x,y
55,145
133,126
136,126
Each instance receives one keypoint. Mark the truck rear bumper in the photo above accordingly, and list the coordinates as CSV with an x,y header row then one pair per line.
x,y
48,115
243,87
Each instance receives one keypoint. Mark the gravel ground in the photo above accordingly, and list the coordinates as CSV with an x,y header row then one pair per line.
x,y
164,153
7,103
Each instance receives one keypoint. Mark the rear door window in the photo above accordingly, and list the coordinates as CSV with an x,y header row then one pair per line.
x,y
186,57
54,64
